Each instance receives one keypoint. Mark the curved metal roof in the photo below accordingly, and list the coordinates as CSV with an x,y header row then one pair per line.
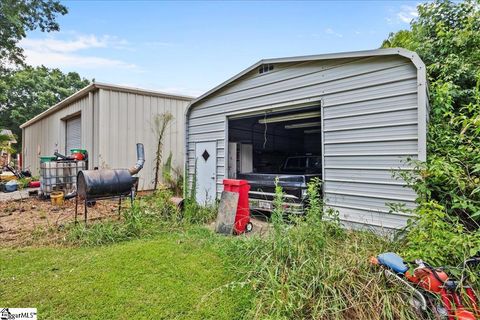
x,y
341,55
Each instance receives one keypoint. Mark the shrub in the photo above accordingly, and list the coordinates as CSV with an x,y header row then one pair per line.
x,y
439,238
446,35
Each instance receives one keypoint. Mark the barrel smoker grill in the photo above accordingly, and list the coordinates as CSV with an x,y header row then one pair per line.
x,y
104,184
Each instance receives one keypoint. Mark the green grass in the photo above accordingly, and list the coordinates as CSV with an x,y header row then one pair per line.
x,y
172,276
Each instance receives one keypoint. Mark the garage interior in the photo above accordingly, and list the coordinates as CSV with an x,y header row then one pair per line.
x,y
261,143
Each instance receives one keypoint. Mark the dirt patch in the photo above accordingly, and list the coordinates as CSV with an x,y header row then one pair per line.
x,y
261,226
32,221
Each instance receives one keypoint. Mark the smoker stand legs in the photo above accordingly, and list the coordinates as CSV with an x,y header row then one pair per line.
x,y
76,209
85,207
84,210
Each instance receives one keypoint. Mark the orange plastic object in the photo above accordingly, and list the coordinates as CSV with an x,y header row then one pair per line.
x,y
425,278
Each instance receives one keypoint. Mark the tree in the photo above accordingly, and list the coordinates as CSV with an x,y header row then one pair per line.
x,y
446,35
27,92
160,125
5,143
19,16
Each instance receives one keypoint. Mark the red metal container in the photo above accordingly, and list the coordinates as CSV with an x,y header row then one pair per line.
x,y
242,218
34,184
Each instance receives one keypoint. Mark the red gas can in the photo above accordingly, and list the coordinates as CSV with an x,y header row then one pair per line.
x,y
242,218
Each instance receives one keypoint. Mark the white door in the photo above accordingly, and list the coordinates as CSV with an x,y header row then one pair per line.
x,y
206,156
246,158
73,134
232,160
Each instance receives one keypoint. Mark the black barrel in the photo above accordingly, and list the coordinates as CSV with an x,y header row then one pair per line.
x,y
93,184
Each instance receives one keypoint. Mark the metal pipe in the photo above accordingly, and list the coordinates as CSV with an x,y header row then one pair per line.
x,y
71,195
140,160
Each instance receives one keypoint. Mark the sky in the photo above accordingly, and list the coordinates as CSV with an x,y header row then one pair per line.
x,y
190,47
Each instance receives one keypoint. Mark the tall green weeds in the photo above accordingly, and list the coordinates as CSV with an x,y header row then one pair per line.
x,y
311,268
147,217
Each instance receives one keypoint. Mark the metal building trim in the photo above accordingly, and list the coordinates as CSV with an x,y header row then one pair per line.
x,y
98,85
352,54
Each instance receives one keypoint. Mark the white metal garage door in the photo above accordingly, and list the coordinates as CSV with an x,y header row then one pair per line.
x,y
74,134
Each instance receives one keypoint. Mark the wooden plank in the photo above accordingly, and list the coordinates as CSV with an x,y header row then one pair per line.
x,y
227,211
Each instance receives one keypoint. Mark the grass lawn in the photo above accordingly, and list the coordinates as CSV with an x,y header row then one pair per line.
x,y
172,276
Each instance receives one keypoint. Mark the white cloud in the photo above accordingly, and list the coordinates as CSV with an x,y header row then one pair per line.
x,y
332,32
62,60
407,13
64,46
53,52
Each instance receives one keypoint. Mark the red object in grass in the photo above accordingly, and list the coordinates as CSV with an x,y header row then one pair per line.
x,y
242,218
34,184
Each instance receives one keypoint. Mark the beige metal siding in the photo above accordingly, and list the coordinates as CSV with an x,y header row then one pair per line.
x,y
47,135
371,123
128,118
113,121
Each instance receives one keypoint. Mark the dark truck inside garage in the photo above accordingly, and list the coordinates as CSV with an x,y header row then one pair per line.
x,y
283,146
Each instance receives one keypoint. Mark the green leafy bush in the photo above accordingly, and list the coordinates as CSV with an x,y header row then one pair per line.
x,y
446,35
438,237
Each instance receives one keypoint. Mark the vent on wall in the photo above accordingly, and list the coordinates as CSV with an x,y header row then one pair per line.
x,y
265,68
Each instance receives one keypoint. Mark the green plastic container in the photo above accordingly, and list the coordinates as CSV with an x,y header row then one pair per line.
x,y
82,151
47,159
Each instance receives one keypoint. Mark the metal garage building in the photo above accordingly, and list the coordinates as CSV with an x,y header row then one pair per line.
x,y
107,120
367,111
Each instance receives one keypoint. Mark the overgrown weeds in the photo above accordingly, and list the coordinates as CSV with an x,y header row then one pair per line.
x,y
311,268
147,217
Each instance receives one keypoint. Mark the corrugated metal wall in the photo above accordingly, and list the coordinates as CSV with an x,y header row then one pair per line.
x,y
128,118
45,136
370,117
110,130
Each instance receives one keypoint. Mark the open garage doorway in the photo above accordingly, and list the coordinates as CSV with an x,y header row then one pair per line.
x,y
276,144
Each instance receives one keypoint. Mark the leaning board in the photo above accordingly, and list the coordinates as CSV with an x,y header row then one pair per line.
x,y
226,212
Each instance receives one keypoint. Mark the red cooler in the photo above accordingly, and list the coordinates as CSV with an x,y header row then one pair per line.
x,y
242,218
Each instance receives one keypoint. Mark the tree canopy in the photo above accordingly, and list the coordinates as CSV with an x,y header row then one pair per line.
x,y
19,16
446,35
26,91
29,91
